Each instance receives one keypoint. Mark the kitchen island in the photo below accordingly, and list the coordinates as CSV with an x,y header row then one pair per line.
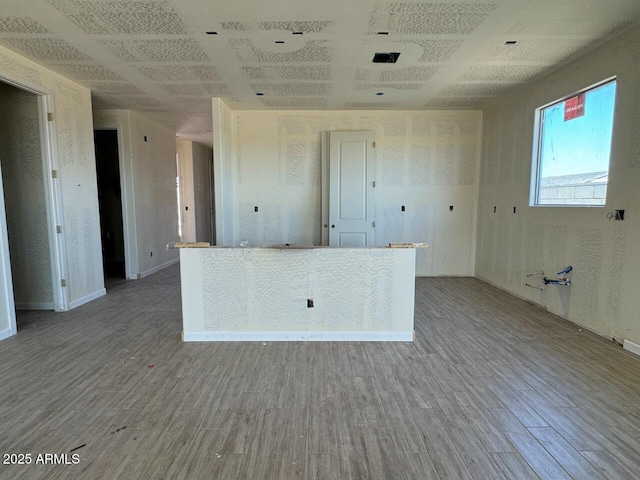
x,y
305,294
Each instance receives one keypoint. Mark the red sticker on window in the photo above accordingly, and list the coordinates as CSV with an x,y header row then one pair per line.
x,y
574,107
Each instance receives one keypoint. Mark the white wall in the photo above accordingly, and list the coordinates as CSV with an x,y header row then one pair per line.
x,y
202,183
194,161
604,294
425,161
7,308
24,192
223,174
73,157
187,198
151,210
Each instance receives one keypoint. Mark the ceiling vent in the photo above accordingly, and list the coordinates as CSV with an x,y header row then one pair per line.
x,y
391,57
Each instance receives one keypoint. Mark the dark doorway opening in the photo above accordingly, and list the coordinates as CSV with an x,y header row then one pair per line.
x,y
22,183
110,200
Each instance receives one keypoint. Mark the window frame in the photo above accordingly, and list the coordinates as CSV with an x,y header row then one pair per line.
x,y
534,185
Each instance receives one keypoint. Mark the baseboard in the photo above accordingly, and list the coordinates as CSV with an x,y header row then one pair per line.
x,y
153,270
88,298
298,336
631,346
35,306
6,333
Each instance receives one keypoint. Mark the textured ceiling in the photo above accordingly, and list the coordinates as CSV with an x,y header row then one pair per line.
x,y
155,55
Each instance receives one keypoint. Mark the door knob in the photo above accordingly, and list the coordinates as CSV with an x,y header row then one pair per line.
x,y
325,225
333,226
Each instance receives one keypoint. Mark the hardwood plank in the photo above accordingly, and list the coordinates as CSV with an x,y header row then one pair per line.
x,y
403,430
567,456
578,438
323,466
492,437
418,466
448,462
454,403
610,466
536,456
513,466
475,456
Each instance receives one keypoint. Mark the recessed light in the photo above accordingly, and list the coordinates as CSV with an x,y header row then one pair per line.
x,y
391,57
379,93
211,33
383,33
260,94
279,41
510,42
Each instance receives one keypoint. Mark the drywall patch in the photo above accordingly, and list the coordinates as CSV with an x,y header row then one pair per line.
x,y
216,304
587,273
616,273
119,17
420,167
297,103
291,125
247,224
421,126
388,86
296,224
633,161
456,102
417,74
20,25
437,51
391,225
314,161
236,26
536,50
115,88
394,126
376,105
14,69
310,72
292,89
46,50
445,162
314,26
475,89
186,73
295,158
87,71
393,165
550,26
509,73
467,164
255,73
314,51
429,18
158,50
272,226
30,153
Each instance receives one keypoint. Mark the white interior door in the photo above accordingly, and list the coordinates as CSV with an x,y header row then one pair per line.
x,y
351,183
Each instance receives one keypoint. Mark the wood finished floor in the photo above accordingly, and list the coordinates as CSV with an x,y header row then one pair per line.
x,y
492,388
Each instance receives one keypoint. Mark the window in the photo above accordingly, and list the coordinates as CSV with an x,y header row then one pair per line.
x,y
571,162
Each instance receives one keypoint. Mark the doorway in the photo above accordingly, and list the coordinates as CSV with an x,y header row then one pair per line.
x,y
30,264
349,208
110,203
